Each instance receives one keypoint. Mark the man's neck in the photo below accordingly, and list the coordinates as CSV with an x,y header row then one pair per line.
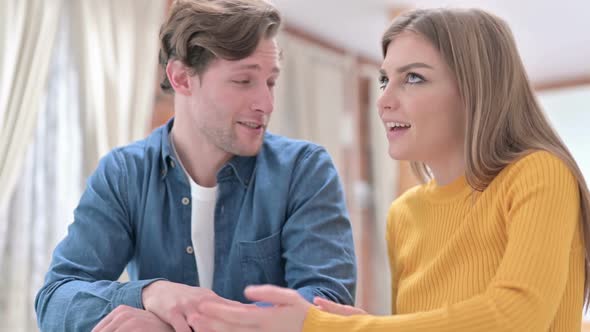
x,y
201,160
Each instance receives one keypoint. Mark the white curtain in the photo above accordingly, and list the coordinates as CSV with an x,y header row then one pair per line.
x,y
27,33
99,94
117,41
47,190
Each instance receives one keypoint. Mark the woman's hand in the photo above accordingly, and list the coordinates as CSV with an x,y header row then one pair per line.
x,y
338,309
287,314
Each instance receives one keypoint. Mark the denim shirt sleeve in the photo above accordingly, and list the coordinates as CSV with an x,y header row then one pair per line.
x,y
317,236
80,287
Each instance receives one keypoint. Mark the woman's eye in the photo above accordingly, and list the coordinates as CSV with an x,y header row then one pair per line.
x,y
413,78
383,82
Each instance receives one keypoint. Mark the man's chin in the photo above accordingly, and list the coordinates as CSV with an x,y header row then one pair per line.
x,y
248,151
246,146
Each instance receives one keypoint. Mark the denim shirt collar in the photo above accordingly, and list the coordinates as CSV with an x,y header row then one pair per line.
x,y
239,166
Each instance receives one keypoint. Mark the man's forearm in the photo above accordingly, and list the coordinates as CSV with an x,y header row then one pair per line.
x,y
75,305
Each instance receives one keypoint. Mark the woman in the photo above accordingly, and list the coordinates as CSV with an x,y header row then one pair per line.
x,y
497,237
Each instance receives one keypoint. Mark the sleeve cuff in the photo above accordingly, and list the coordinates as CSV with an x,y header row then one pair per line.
x,y
130,293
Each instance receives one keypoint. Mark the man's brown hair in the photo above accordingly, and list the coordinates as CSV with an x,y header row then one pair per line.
x,y
198,31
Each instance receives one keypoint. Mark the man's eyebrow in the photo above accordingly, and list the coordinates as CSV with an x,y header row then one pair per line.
x,y
256,67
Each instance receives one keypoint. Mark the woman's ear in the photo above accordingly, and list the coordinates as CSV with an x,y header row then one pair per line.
x,y
179,77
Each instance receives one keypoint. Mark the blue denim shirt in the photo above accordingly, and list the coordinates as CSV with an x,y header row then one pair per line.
x,y
280,218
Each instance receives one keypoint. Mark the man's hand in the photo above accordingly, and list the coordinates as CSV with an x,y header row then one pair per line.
x,y
125,318
177,304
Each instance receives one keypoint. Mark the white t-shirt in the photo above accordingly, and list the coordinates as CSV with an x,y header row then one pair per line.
x,y
202,227
203,231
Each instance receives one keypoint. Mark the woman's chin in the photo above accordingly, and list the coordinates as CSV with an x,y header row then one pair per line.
x,y
398,155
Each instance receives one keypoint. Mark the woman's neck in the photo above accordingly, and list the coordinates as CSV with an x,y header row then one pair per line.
x,y
448,169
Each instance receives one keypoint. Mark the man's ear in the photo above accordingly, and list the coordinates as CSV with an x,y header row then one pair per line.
x,y
179,77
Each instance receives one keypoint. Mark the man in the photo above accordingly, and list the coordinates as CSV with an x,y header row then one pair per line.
x,y
208,203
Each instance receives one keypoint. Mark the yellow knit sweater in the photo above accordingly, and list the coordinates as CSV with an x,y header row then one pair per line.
x,y
510,258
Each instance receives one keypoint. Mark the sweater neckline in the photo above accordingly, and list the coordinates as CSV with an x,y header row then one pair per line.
x,y
457,188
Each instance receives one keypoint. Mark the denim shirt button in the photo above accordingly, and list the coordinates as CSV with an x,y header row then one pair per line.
x,y
172,163
185,201
189,250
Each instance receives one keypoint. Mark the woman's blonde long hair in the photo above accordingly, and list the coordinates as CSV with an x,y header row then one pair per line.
x,y
504,119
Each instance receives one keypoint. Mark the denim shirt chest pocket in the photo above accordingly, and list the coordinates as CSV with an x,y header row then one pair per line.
x,y
261,261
